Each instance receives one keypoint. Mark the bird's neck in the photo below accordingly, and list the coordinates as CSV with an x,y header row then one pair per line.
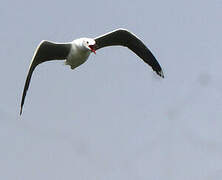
x,y
78,43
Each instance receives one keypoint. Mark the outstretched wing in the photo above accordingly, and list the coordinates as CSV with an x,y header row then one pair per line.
x,y
125,38
46,51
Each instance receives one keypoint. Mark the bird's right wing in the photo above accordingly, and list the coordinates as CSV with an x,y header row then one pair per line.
x,y
46,51
125,38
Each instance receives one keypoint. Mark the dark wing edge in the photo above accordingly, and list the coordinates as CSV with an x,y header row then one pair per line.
x,y
46,51
123,37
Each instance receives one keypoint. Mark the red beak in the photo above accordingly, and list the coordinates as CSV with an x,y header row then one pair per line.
x,y
92,47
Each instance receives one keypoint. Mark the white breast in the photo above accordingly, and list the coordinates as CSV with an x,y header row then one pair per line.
x,y
78,55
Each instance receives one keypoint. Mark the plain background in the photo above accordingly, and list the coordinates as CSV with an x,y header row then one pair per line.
x,y
113,117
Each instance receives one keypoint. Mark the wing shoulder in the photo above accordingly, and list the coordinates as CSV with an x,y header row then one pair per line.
x,y
121,37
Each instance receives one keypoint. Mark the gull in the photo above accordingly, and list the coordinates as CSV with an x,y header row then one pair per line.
x,y
77,52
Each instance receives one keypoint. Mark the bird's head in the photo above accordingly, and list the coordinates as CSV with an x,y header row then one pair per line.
x,y
89,44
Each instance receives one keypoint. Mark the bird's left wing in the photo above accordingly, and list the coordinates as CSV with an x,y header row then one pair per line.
x,y
123,37
46,51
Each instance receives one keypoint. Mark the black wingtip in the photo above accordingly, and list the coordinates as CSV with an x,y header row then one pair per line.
x,y
20,112
160,73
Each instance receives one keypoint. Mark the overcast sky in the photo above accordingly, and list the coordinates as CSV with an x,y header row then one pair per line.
x,y
113,117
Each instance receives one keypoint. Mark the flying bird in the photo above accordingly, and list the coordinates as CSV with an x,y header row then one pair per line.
x,y
77,52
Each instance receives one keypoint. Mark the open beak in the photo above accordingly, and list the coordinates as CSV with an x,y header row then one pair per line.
x,y
92,47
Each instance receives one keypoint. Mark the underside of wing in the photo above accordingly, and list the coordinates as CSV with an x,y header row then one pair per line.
x,y
46,51
125,38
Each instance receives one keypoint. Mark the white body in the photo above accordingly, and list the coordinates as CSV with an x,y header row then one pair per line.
x,y
78,54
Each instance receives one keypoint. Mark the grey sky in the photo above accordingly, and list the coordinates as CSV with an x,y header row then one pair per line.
x,y
113,118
